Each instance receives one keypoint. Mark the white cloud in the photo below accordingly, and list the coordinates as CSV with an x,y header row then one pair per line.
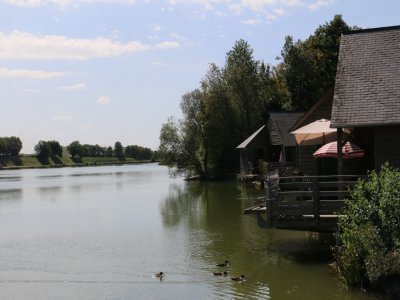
x,y
177,36
25,45
62,119
236,8
320,3
74,87
252,22
158,63
158,28
255,5
271,17
103,100
167,44
62,3
30,74
279,11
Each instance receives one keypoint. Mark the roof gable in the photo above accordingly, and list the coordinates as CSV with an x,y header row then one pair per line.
x,y
279,125
367,87
321,109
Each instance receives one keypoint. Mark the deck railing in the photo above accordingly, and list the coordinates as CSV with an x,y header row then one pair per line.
x,y
304,202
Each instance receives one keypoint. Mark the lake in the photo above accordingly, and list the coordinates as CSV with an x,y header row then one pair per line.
x,y
102,233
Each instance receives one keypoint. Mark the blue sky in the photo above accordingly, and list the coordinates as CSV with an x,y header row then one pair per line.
x,y
101,71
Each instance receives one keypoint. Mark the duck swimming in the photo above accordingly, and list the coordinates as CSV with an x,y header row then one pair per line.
x,y
241,278
225,264
220,273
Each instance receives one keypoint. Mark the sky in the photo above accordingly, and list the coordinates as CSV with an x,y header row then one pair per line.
x,y
101,71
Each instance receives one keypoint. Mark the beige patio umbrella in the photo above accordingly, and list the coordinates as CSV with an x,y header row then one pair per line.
x,y
316,133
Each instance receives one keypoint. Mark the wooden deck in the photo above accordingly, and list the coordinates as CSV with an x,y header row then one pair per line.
x,y
311,203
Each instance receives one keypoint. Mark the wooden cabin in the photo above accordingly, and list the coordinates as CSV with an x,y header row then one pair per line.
x,y
366,99
271,143
367,93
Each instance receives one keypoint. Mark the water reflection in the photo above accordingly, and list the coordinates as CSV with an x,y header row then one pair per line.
x,y
277,264
10,178
50,192
10,195
46,177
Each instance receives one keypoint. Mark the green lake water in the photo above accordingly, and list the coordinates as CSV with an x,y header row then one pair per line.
x,y
102,233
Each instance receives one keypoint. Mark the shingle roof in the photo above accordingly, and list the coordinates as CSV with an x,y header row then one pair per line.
x,y
367,87
279,125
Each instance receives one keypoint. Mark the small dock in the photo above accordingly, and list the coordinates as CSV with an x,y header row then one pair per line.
x,y
310,203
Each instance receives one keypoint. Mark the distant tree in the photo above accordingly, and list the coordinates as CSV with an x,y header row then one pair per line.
x,y
55,148
98,151
75,149
3,147
138,152
13,145
108,151
118,150
43,149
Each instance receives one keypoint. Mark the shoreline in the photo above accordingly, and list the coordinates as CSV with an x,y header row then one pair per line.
x,y
33,162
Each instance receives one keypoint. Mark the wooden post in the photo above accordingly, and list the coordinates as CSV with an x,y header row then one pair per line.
x,y
316,201
268,204
340,158
339,151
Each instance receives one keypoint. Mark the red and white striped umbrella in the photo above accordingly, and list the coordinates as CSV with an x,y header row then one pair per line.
x,y
349,150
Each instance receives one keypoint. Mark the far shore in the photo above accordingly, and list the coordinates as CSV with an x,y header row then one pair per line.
x,y
31,161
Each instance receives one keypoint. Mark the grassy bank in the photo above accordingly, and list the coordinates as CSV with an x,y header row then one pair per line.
x,y
32,161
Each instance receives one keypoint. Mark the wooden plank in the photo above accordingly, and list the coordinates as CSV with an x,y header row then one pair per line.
x,y
296,193
337,183
334,193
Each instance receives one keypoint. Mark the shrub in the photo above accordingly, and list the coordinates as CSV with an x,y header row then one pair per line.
x,y
369,247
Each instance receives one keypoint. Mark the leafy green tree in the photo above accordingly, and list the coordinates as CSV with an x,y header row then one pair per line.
x,y
55,148
308,67
171,149
241,75
3,147
229,105
108,151
43,149
118,150
75,149
138,152
370,230
10,146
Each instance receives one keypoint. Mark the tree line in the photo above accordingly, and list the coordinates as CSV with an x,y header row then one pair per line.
x,y
234,100
11,146
77,150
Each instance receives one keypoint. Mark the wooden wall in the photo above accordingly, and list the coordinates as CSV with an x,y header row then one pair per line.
x,y
387,146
